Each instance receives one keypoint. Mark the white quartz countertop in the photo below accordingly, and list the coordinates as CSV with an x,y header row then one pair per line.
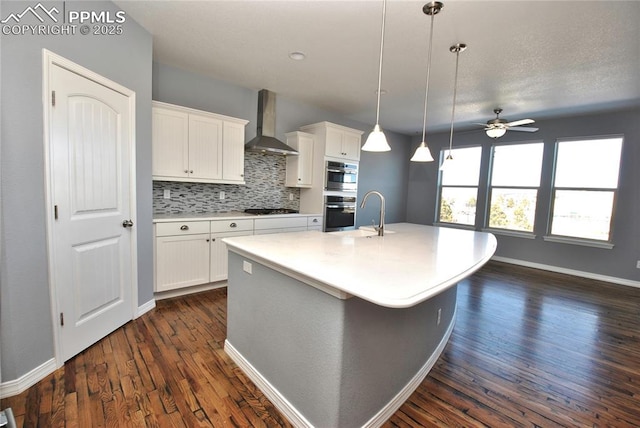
x,y
231,215
408,265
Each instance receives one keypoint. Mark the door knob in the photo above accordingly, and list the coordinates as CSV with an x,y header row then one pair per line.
x,y
127,223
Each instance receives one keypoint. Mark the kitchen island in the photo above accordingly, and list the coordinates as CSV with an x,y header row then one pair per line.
x,y
338,329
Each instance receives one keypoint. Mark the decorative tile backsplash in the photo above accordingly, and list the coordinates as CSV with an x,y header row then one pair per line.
x,y
264,176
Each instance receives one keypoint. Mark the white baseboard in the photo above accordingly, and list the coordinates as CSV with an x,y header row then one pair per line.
x,y
160,295
145,307
276,398
579,273
15,387
298,420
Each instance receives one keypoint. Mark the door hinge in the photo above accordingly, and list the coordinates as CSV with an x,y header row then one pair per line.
x,y
62,319
53,98
55,212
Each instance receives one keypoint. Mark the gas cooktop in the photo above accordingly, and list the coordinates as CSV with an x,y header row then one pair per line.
x,y
268,211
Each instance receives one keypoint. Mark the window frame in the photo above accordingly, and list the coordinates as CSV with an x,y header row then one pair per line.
x,y
590,242
443,153
503,230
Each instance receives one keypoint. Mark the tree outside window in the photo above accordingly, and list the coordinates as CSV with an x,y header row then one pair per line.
x,y
514,184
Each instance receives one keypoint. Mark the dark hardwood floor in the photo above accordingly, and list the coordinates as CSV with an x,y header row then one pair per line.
x,y
530,348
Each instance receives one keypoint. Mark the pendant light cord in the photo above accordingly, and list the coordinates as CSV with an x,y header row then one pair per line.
x,y
455,92
384,14
426,92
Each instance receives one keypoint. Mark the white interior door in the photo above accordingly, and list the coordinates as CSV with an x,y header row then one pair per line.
x,y
90,171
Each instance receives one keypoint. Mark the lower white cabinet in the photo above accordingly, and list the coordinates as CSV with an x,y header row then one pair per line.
x,y
182,255
192,253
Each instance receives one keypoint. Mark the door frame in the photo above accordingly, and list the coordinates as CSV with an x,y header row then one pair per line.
x,y
50,59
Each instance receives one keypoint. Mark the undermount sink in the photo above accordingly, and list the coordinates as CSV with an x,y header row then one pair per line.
x,y
362,232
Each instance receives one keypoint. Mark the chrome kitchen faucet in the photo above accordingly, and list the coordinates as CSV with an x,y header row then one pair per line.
x,y
380,227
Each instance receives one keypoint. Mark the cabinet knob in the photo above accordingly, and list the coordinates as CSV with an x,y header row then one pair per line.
x,y
186,171
207,240
233,225
299,179
241,175
184,227
190,171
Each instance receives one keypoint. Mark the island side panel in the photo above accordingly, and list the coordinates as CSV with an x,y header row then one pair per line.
x,y
291,334
384,348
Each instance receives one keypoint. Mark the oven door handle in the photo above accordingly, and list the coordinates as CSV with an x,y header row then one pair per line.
x,y
346,171
340,206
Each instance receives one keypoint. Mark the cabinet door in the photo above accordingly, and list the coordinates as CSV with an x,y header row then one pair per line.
x,y
351,146
220,255
233,152
181,261
205,147
300,167
334,143
170,143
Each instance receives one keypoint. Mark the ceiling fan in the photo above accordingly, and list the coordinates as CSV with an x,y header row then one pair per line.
x,y
496,128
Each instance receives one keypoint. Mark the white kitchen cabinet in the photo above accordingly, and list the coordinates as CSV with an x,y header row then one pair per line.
x,y
263,226
314,223
219,257
300,167
182,254
339,142
198,146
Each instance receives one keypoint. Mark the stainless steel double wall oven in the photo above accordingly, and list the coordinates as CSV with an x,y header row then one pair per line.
x,y
341,187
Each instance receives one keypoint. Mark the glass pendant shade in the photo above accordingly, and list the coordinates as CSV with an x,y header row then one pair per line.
x,y
496,132
422,154
376,141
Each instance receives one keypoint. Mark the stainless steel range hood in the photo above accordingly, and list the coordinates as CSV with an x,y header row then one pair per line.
x,y
266,141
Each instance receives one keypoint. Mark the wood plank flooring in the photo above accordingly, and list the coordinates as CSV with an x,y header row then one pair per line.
x,y
529,349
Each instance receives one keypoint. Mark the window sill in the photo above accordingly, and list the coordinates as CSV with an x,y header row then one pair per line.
x,y
512,233
578,241
455,225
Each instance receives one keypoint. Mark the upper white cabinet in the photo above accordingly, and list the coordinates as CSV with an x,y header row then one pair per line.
x,y
300,167
339,141
194,145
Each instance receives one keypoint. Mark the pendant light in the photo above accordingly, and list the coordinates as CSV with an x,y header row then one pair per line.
x,y
376,141
460,47
422,153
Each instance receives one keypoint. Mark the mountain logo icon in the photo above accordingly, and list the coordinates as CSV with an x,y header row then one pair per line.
x,y
38,11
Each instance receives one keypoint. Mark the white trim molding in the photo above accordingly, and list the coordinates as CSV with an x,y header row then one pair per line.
x,y
24,382
145,307
574,272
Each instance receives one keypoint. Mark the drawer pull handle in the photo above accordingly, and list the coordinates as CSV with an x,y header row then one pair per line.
x,y
233,225
315,220
184,227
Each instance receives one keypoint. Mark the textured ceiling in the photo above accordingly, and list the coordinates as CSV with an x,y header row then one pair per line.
x,y
534,59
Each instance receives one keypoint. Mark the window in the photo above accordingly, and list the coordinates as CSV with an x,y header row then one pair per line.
x,y
513,187
459,186
584,187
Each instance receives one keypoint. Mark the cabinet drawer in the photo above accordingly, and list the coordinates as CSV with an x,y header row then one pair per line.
x,y
314,221
182,228
231,225
280,223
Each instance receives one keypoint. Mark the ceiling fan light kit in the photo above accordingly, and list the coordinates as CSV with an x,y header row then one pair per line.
x,y
423,154
496,128
377,141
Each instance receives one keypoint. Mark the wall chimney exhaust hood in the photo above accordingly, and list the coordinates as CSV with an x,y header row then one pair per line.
x,y
266,141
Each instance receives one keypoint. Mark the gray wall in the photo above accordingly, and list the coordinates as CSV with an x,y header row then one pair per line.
x,y
25,309
386,172
620,262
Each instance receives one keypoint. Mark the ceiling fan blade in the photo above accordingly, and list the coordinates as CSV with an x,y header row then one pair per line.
x,y
520,122
523,129
478,123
